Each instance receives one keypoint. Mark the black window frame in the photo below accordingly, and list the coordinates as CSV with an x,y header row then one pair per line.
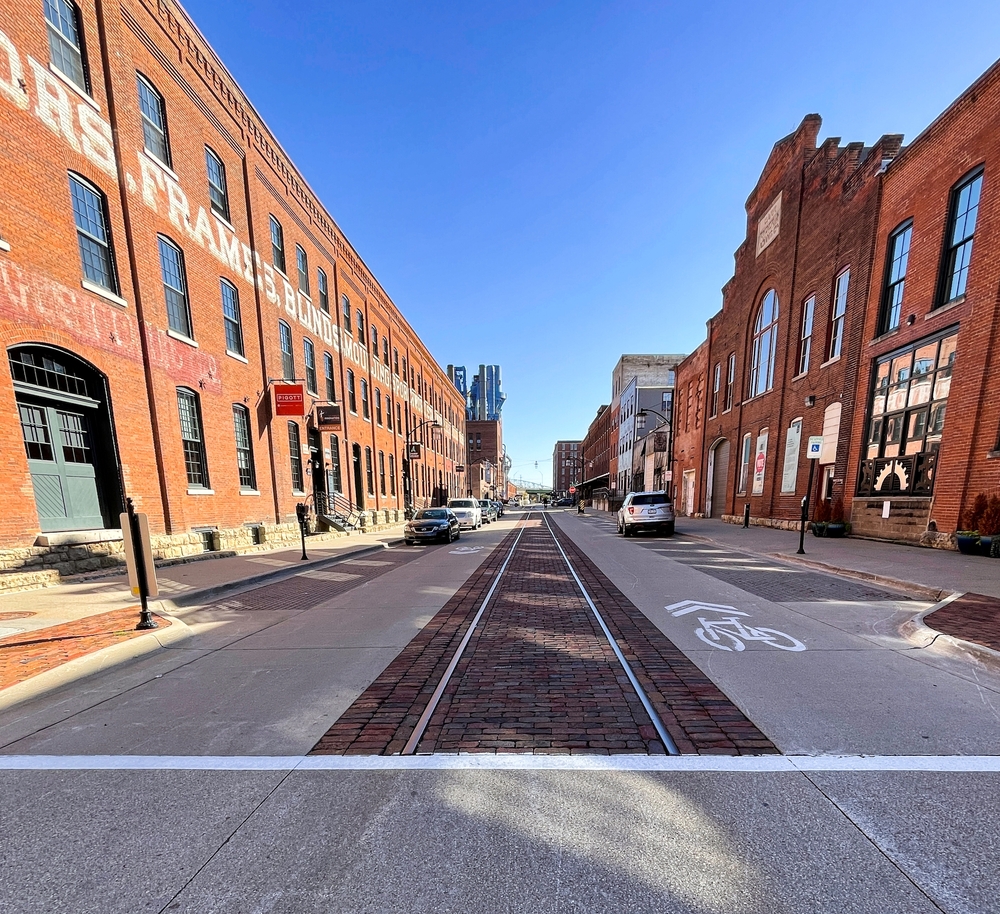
x,y
352,396
295,458
366,411
151,130
193,446
72,44
231,318
302,266
177,298
323,290
345,307
309,359
328,379
243,435
964,247
286,346
277,233
218,189
92,247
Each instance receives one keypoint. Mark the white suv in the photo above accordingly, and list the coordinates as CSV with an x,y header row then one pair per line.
x,y
468,512
646,511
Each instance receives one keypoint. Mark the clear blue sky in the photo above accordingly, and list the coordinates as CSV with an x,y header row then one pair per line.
x,y
546,185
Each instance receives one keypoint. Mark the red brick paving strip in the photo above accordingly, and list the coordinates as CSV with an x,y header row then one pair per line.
x,y
539,677
972,617
29,653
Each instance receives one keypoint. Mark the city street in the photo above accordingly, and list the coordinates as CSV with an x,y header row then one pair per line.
x,y
194,778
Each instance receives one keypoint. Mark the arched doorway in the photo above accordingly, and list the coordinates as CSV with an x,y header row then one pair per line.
x,y
718,479
65,413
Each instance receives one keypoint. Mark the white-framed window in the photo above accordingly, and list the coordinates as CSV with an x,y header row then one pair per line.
x,y
765,339
838,313
805,337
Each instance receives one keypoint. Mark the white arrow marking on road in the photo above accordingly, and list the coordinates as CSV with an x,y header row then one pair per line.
x,y
693,606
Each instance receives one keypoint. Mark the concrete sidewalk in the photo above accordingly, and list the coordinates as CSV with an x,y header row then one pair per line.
x,y
92,623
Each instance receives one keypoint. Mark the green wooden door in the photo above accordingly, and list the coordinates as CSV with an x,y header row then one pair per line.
x,y
61,460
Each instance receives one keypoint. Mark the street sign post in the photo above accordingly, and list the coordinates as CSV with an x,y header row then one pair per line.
x,y
813,447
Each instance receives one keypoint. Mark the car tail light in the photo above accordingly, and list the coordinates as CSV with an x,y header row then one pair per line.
x,y
631,510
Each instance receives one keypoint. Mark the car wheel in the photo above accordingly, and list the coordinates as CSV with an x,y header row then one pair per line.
x,y
625,530
409,542
458,534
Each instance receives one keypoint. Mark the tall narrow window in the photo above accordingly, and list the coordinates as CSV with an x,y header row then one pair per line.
x,y
395,361
765,338
295,457
385,350
392,475
378,406
65,43
369,472
381,472
345,303
895,281
331,393
192,439
744,464
324,291
91,217
302,264
399,420
287,354
805,337
231,318
352,400
244,448
175,287
365,407
838,313
716,384
730,381
309,355
961,228
154,121
277,244
360,320
218,194
388,412
375,341
333,479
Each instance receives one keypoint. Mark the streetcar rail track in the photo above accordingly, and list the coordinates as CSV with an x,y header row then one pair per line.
x,y
412,744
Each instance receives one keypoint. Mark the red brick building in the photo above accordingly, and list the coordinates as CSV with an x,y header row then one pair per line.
x,y
596,450
162,265
926,436
780,363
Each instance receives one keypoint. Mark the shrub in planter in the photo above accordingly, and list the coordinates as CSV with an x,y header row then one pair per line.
x,y
821,518
836,527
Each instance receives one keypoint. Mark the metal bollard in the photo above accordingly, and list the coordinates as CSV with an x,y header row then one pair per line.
x,y
746,516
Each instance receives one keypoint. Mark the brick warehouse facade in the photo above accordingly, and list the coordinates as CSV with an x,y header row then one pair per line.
x,y
863,309
162,264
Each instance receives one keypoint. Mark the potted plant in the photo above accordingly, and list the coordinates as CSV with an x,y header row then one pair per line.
x,y
836,526
989,527
821,518
968,534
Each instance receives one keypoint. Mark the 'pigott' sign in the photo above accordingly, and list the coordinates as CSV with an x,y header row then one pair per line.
x,y
289,400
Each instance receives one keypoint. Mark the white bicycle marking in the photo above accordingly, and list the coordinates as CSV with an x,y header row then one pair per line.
x,y
729,633
466,550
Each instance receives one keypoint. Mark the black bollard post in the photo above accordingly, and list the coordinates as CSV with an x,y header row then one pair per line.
x,y
746,516
139,553
302,512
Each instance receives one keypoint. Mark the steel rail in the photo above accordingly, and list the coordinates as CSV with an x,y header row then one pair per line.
x,y
665,738
418,732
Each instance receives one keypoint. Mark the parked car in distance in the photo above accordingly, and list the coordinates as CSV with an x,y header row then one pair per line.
x,y
489,510
499,506
646,511
563,502
468,512
432,524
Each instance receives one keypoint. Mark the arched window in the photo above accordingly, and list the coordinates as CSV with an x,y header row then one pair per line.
x,y
66,42
765,338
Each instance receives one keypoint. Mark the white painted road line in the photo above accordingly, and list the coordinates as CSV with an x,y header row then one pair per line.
x,y
488,762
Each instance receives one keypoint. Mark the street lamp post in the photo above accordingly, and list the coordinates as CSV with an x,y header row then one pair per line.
x,y
412,447
640,421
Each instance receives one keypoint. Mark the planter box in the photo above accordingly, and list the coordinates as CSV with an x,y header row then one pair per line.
x,y
836,529
967,544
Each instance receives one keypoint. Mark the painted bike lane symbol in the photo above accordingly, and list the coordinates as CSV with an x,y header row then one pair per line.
x,y
729,633
466,550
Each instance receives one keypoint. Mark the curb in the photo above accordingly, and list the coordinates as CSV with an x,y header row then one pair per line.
x,y
174,634
920,634
193,597
88,664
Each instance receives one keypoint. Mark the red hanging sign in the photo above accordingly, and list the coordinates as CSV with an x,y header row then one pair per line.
x,y
289,400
